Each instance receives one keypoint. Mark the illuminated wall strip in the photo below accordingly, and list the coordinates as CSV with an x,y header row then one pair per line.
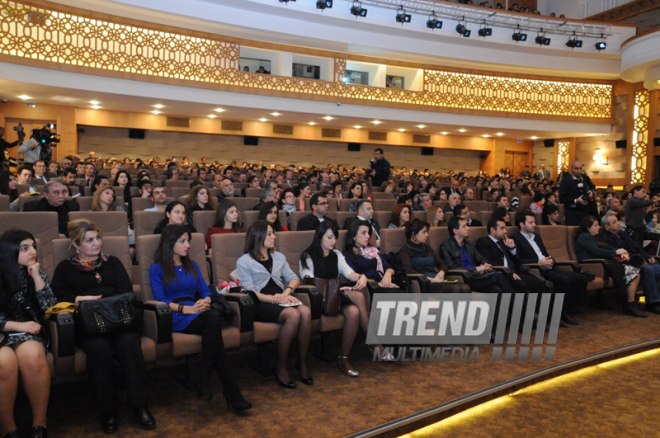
x,y
49,36
563,156
640,137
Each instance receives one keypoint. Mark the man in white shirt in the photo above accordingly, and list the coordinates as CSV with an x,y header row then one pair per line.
x,y
159,196
25,178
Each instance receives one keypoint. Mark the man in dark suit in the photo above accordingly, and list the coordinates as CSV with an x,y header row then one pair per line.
x,y
452,188
500,250
530,249
319,205
55,194
462,211
365,212
576,192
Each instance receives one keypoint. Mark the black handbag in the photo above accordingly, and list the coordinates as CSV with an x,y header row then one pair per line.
x,y
331,294
106,315
227,313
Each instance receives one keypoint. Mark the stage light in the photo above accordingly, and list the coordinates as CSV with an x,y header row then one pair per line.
x,y
324,4
518,35
573,42
601,45
401,16
542,40
464,31
485,31
433,22
358,10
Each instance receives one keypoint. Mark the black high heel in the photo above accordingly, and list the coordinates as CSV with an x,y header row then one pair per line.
x,y
289,385
236,401
308,381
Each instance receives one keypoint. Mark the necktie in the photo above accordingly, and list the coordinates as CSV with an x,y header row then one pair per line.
x,y
508,263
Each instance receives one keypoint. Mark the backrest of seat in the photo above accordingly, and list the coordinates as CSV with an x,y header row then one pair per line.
x,y
203,220
345,204
177,192
22,200
480,205
381,195
292,244
112,245
554,239
43,226
437,235
244,204
342,215
484,216
525,202
571,235
146,252
421,215
383,218
112,223
177,183
249,217
4,203
384,204
477,233
295,217
392,240
85,202
227,249
253,193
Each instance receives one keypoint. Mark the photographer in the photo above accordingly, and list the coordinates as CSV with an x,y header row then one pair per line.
x,y
576,192
636,214
4,144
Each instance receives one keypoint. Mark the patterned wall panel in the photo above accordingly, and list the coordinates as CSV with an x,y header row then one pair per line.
x,y
640,136
563,156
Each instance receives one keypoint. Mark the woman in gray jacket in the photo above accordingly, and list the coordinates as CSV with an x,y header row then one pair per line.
x,y
261,270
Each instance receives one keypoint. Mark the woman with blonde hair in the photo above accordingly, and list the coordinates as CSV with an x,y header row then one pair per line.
x,y
435,216
104,200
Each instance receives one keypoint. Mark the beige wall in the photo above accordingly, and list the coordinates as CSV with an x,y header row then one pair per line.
x,y
115,142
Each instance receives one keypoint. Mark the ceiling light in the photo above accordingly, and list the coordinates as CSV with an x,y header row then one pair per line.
x,y
324,4
421,126
518,35
275,114
24,97
159,106
96,107
433,22
263,120
401,16
94,102
358,10
376,122
155,112
499,134
464,31
219,110
541,39
444,133
311,123
533,137
485,136
328,118
401,130
357,126
462,130
573,42
212,116
601,45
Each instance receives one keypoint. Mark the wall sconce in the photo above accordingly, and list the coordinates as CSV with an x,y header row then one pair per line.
x,y
600,159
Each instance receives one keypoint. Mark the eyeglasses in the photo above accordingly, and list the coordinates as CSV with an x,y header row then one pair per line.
x,y
322,203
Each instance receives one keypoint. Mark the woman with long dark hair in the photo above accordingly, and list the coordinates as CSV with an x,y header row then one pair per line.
x,y
8,187
177,281
261,270
321,260
227,220
355,191
25,295
199,199
123,180
175,214
364,258
271,214
89,274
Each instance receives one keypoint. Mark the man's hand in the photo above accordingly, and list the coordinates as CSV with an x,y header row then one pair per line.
x,y
509,243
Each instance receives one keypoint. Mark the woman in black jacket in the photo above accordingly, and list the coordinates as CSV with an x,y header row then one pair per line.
x,y
91,275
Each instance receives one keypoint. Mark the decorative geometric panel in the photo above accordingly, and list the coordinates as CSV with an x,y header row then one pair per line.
x,y
640,136
49,36
563,156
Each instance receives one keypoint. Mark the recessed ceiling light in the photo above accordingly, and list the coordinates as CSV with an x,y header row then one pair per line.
x,y
159,106
24,97
485,136
421,126
376,122
534,137
328,118
275,114
401,130
96,107
311,123
499,134
444,133
155,112
212,116
94,102
357,126
462,130
263,120
219,110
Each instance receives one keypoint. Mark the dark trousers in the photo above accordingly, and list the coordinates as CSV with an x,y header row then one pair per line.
x,y
209,325
494,283
573,284
104,353
573,216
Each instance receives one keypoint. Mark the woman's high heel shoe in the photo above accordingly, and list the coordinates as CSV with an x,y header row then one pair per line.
x,y
386,357
236,401
308,381
345,367
289,385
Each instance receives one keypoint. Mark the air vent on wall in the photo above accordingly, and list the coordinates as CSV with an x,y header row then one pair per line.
x,y
421,138
377,136
331,133
283,129
178,122
232,126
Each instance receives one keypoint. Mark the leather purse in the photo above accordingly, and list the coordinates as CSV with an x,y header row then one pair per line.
x,y
330,292
106,315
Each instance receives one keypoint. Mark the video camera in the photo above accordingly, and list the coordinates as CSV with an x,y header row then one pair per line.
x,y
20,133
46,140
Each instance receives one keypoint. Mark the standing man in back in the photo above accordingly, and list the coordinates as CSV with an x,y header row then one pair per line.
x,y
380,168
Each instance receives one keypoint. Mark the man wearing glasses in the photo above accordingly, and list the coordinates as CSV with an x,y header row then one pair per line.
x,y
319,205
576,192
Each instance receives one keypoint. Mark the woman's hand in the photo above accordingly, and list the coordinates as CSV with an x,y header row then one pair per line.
x,y
284,299
387,280
88,297
441,276
33,270
201,305
621,251
361,283
28,327
625,257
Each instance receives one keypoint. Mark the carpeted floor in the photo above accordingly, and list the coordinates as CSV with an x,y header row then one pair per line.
x,y
338,405
608,400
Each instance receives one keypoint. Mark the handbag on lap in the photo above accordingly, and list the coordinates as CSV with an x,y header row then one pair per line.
x,y
106,315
